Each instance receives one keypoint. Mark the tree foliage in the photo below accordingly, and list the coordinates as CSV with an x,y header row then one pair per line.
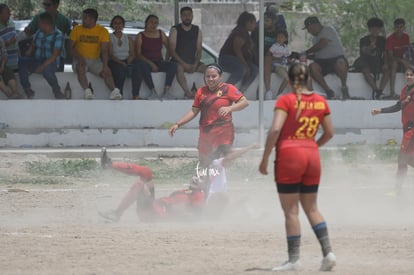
x,y
349,17
131,10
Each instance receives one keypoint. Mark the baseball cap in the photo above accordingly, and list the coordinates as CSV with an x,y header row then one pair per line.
x,y
310,21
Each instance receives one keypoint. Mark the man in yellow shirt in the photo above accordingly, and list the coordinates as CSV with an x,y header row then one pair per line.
x,y
89,43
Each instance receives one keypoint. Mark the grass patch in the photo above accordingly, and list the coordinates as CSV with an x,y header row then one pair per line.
x,y
72,168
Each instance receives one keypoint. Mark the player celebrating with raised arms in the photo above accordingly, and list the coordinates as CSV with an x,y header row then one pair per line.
x,y
216,101
406,105
296,120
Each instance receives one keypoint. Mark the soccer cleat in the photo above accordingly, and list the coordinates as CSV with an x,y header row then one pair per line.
x,y
328,263
115,94
110,215
288,266
106,162
88,94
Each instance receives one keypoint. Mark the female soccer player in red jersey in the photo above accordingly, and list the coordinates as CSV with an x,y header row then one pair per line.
x,y
406,105
297,167
216,101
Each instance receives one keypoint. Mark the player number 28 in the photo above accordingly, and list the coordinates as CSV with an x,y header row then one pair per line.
x,y
308,127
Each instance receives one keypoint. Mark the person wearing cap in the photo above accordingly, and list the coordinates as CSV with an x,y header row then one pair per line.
x,y
329,56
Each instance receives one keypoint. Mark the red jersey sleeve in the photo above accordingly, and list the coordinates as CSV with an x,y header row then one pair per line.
x,y
233,93
197,98
283,103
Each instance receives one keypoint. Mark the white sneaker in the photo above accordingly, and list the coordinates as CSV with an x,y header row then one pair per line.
x,y
115,94
288,266
88,94
269,95
110,216
328,262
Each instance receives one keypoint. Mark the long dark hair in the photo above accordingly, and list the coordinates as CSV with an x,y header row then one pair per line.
x,y
244,18
149,17
298,75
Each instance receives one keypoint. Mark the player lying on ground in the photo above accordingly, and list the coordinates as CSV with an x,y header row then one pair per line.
x,y
184,204
406,105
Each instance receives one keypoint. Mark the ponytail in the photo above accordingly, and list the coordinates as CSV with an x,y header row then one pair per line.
x,y
298,76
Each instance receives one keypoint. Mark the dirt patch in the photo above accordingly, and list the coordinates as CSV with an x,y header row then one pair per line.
x,y
55,229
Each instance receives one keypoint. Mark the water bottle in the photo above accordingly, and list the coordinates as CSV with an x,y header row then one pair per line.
x,y
68,91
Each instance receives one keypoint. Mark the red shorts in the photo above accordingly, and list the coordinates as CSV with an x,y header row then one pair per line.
x,y
407,143
210,138
295,165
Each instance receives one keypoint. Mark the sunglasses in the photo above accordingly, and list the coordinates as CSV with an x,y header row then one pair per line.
x,y
47,4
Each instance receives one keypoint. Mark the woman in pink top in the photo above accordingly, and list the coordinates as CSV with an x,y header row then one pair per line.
x,y
148,46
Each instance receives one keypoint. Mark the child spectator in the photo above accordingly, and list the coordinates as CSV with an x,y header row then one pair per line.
x,y
43,56
372,57
280,55
396,45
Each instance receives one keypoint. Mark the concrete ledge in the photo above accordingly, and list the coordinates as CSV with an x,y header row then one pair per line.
x,y
356,83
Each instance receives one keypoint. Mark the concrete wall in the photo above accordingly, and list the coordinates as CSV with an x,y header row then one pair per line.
x,y
57,123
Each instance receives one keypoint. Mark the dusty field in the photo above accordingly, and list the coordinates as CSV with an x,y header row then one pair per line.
x,y
55,229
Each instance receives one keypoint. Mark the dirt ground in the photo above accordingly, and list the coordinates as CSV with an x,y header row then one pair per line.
x,y
55,229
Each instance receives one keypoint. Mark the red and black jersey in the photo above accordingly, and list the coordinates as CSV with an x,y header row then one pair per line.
x,y
407,107
209,102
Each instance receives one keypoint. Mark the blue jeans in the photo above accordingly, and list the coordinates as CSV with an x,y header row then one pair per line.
x,y
142,71
119,73
28,65
237,70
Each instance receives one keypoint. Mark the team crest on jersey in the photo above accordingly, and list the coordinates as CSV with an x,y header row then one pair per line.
x,y
219,93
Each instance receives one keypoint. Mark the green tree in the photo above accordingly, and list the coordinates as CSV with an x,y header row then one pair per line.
x,y
22,9
131,10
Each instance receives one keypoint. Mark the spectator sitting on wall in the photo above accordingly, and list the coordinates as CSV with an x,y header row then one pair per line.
x,y
281,58
280,22
396,45
148,47
89,45
185,41
270,32
9,53
329,56
8,34
121,52
372,57
6,74
43,56
61,22
236,55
